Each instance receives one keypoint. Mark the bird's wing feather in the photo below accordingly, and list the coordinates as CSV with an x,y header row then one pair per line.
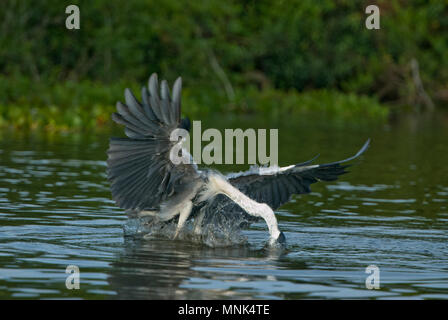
x,y
274,186
139,167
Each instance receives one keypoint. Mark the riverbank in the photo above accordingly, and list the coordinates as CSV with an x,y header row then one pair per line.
x,y
75,106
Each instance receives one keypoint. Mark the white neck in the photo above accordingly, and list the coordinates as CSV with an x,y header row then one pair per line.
x,y
218,184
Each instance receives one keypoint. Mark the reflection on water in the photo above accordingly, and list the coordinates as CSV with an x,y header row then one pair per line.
x,y
164,269
390,211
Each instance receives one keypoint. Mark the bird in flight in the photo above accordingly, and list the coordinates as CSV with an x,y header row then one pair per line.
x,y
145,182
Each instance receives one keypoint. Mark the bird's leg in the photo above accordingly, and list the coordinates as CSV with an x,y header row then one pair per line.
x,y
197,229
184,214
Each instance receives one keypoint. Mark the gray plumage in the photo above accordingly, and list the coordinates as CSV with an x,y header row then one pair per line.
x,y
143,178
141,173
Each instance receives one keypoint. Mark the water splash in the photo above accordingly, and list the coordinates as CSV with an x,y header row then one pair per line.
x,y
218,231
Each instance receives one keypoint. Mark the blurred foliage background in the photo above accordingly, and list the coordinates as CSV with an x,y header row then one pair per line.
x,y
247,56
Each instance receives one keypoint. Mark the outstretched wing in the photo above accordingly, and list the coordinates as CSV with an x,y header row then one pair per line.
x,y
274,186
141,173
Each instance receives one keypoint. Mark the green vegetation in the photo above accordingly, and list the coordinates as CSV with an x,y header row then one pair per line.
x,y
86,104
241,56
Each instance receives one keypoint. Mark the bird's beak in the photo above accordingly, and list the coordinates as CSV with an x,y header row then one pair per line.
x,y
281,240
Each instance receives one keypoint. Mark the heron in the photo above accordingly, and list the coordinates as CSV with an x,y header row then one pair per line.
x,y
145,182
